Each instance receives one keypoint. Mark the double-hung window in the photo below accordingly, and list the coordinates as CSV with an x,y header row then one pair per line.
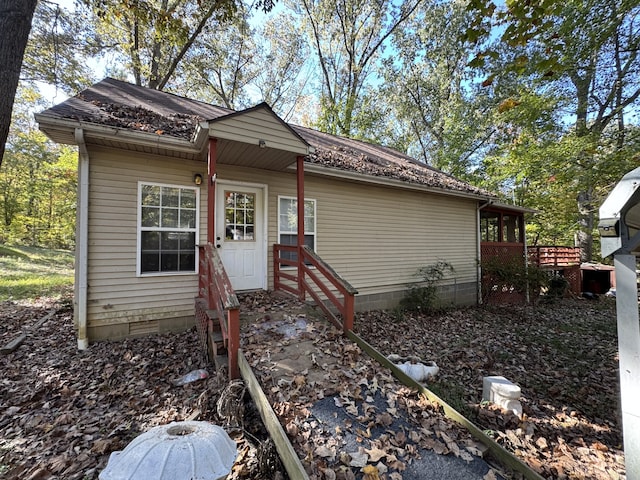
x,y
167,228
288,223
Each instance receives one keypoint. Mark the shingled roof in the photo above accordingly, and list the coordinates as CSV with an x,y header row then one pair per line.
x,y
123,105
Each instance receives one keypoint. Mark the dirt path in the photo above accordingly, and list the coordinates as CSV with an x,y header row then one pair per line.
x,y
345,413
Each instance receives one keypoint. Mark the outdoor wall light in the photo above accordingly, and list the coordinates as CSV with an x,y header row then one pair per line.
x,y
197,179
262,144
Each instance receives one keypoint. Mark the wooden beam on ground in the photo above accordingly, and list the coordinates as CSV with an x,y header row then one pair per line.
x,y
48,316
15,342
502,455
288,455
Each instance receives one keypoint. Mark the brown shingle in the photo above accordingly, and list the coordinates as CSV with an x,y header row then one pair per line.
x,y
120,104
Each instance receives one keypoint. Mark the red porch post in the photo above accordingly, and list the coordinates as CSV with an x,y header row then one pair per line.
x,y
300,182
233,327
211,191
349,312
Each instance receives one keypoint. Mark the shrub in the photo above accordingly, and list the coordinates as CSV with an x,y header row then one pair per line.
x,y
558,286
422,296
511,275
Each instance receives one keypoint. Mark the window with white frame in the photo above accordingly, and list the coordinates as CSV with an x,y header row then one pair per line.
x,y
288,223
167,228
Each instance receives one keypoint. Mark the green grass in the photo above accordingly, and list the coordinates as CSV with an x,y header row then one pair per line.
x,y
30,272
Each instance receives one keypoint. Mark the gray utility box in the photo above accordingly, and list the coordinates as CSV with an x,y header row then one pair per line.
x,y
619,225
619,229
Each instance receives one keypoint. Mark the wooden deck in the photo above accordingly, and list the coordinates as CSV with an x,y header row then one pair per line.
x,y
560,260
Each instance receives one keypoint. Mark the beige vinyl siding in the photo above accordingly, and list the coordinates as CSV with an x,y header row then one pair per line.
x,y
259,124
377,237
115,294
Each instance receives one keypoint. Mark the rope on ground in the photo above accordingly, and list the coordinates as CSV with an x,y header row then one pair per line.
x,y
230,405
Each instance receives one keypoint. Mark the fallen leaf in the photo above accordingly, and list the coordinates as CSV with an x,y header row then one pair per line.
x,y
490,475
375,454
358,459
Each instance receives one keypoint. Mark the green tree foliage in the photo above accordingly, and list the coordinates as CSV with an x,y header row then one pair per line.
x,y
252,64
152,38
585,53
37,184
60,44
222,70
435,102
283,73
348,37
541,108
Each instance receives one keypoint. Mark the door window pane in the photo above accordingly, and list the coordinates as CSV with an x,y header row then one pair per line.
x,y
239,216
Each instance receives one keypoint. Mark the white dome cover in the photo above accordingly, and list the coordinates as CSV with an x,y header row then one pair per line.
x,y
180,450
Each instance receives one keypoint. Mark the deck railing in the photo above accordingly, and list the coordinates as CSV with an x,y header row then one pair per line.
x,y
553,256
216,296
541,256
315,278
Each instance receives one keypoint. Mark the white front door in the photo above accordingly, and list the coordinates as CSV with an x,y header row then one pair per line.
x,y
240,234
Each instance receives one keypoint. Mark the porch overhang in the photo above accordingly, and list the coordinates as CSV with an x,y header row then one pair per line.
x,y
257,138
509,208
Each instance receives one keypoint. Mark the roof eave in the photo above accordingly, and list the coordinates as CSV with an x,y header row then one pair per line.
x,y
390,182
498,205
49,124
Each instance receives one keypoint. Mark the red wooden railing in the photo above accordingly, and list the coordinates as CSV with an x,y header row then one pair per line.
x,y
542,256
553,256
315,277
216,296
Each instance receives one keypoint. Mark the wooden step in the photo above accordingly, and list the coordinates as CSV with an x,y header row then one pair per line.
x,y
221,361
216,344
217,337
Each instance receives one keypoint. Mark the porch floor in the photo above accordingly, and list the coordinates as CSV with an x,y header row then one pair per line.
x,y
339,407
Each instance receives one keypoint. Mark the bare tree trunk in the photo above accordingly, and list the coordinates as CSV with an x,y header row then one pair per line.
x,y
586,220
15,25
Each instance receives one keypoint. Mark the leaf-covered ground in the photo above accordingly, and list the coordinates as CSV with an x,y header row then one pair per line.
x,y
347,417
563,355
62,411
